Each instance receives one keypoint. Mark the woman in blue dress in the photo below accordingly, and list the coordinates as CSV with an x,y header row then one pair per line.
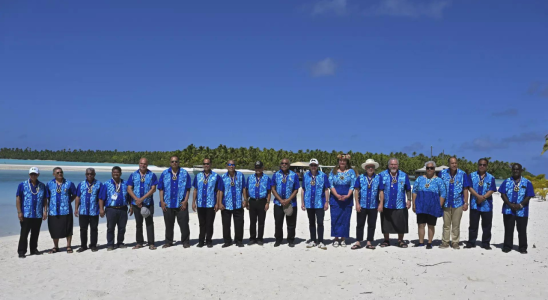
x,y
342,180
428,198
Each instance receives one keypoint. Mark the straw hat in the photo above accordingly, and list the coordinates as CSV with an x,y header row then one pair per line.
x,y
370,162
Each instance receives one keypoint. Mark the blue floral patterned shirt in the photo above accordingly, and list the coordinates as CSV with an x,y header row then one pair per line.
x,y
394,189
369,190
114,195
314,194
89,197
258,191
60,202
175,187
232,194
455,190
342,182
482,186
525,189
32,198
285,189
428,193
206,191
142,185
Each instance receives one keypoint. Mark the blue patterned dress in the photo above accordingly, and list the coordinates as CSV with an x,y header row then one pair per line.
x,y
428,198
341,211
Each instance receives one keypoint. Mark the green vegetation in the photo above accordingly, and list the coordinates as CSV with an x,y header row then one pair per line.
x,y
246,157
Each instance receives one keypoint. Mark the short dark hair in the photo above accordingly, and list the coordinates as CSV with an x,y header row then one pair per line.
x,y
117,169
57,168
483,159
516,164
450,158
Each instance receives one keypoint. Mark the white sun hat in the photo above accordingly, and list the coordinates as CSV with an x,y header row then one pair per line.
x,y
313,161
370,162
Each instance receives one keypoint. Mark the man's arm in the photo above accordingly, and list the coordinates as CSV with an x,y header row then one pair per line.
x,y
76,206
18,206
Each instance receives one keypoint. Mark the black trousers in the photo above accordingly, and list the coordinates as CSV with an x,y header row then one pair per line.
x,y
92,222
486,224
279,224
256,214
182,219
238,215
521,223
31,225
149,224
371,216
315,214
206,218
116,217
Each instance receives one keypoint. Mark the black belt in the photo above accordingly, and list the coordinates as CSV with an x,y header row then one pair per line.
x,y
117,207
253,199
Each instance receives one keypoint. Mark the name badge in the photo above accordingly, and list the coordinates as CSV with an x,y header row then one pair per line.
x,y
114,197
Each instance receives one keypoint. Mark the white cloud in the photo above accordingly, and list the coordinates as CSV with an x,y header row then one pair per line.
x,y
323,67
408,8
329,6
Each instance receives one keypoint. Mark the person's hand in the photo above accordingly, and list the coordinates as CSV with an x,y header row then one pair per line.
x,y
414,208
358,207
326,206
194,206
380,208
102,213
130,210
465,207
139,201
184,205
303,207
20,216
163,205
480,199
222,207
246,205
266,206
341,198
45,215
216,207
76,213
408,204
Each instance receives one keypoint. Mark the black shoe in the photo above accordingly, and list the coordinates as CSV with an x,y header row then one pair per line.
x,y
94,249
291,244
239,244
81,249
200,245
506,250
260,242
428,246
224,245
523,251
35,252
487,247
277,244
469,246
209,245
110,248
22,256
186,245
122,246
251,242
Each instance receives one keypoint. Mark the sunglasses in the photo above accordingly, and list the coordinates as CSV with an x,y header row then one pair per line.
x,y
60,172
430,168
174,161
482,165
231,165
313,165
206,164
370,167
284,163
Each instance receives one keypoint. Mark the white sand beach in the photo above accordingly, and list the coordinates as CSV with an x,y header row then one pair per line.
x,y
256,272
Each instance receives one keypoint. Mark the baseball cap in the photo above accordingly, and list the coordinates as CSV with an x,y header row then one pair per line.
x,y
34,170
313,162
258,164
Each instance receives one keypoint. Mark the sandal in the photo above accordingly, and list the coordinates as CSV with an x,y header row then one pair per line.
x,y
402,244
355,247
69,250
53,250
336,244
152,247
385,244
370,247
167,245
138,246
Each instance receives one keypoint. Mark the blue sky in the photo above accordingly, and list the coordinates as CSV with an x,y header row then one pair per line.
x,y
467,77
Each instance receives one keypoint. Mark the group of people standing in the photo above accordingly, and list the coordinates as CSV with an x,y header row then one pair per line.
x,y
389,192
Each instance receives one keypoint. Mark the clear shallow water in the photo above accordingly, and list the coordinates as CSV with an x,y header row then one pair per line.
x,y
56,163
